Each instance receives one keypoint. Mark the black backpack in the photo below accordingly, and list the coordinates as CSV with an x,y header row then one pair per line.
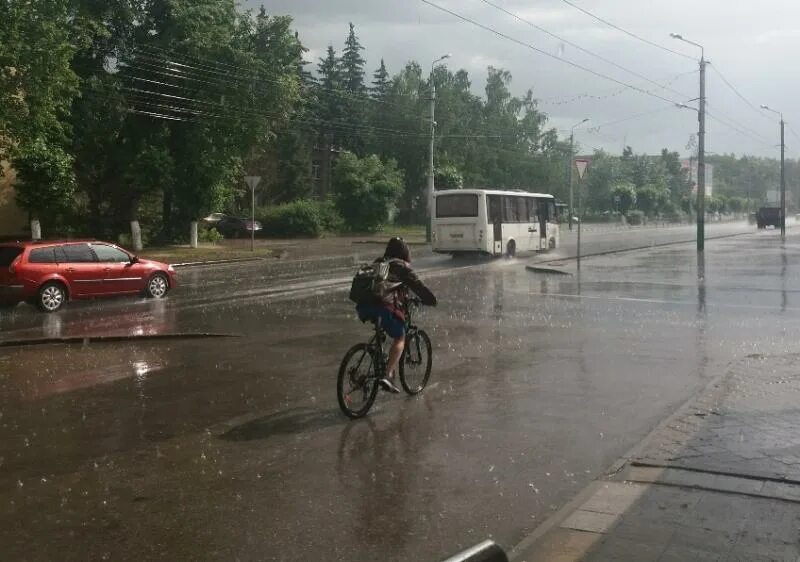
x,y
371,283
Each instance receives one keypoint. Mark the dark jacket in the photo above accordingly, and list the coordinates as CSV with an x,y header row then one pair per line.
x,y
401,272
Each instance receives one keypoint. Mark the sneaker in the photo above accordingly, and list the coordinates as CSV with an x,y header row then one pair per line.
x,y
389,386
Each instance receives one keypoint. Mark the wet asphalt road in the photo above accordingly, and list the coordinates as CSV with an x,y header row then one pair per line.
x,y
234,448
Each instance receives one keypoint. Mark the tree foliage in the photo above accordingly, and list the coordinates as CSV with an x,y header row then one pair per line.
x,y
366,190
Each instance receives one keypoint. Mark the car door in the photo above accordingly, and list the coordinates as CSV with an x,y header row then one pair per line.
x,y
119,274
78,265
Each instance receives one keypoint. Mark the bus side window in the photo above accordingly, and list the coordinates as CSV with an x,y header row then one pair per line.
x,y
509,209
522,210
495,213
533,216
551,211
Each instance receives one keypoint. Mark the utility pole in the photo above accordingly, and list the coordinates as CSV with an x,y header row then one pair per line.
x,y
701,147
783,183
783,172
570,164
431,148
701,160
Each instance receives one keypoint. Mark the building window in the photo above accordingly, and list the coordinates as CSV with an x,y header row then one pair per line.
x,y
315,170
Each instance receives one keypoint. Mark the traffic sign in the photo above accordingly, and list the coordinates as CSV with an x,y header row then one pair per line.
x,y
581,164
252,181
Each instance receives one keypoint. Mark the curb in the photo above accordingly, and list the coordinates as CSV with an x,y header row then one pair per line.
x,y
218,262
635,249
110,339
547,270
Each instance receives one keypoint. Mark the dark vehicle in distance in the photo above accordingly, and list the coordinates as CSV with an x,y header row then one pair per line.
x,y
768,216
234,227
48,274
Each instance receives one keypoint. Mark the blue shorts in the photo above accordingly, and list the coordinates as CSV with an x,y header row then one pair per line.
x,y
390,323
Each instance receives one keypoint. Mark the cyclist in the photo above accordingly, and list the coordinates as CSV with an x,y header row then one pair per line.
x,y
391,310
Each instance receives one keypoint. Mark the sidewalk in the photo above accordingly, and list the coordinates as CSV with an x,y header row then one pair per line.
x,y
719,480
285,249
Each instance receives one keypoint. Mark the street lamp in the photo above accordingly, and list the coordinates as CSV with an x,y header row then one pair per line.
x,y
431,185
701,145
783,173
571,156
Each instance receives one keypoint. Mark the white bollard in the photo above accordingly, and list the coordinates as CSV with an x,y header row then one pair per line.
x,y
193,234
136,236
36,229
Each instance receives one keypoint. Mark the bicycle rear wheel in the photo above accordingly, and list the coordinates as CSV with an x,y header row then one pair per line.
x,y
416,363
357,384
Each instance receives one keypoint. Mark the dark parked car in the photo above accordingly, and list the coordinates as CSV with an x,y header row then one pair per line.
x,y
233,227
48,274
768,216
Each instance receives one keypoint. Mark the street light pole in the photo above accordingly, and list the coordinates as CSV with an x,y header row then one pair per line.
x,y
431,148
569,166
783,172
701,147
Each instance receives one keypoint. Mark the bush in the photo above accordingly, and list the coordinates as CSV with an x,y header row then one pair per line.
x,y
635,218
209,235
299,218
332,221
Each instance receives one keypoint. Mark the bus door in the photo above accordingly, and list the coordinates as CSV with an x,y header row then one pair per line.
x,y
544,221
496,223
534,223
550,238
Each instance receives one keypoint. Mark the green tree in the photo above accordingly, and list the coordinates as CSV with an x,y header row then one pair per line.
x,y
146,135
652,199
381,83
448,177
366,190
37,84
623,197
46,182
354,95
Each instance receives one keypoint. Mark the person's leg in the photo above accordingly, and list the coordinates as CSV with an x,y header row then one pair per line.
x,y
395,351
395,329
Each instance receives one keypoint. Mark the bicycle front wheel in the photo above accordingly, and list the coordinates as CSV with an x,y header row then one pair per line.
x,y
416,363
357,384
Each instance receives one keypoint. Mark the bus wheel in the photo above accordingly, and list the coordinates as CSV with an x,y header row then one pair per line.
x,y
511,249
552,244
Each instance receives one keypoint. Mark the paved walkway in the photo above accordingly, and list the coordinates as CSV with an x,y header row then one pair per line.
x,y
719,480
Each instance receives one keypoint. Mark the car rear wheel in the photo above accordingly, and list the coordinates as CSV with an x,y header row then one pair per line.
x,y
52,297
157,286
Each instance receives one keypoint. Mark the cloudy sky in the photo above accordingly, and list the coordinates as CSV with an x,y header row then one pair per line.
x,y
751,44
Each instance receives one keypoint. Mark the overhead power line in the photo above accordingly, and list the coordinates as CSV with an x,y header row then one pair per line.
x,y
626,32
738,130
582,49
596,128
545,53
739,94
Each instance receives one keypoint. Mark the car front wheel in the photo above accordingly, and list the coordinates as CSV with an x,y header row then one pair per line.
x,y
52,297
157,286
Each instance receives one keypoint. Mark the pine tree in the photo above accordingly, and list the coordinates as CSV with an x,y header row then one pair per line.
x,y
351,69
352,64
381,82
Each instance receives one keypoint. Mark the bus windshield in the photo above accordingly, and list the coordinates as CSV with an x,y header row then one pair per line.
x,y
459,205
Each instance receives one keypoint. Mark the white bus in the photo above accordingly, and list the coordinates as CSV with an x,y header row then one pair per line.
x,y
493,222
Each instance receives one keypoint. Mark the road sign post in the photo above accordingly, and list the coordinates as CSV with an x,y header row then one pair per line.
x,y
252,182
580,165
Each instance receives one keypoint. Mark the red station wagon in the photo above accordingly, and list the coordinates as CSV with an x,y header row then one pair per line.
x,y
48,274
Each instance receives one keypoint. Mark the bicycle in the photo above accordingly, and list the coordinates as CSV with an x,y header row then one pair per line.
x,y
364,365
